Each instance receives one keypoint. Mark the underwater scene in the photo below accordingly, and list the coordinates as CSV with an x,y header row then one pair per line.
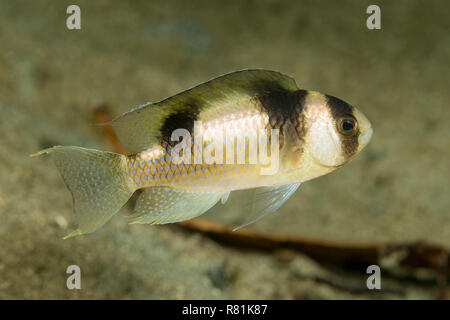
x,y
342,194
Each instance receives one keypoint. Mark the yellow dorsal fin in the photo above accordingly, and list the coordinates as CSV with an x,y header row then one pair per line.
x,y
143,127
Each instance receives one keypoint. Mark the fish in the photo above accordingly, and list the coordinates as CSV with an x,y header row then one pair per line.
x,y
248,129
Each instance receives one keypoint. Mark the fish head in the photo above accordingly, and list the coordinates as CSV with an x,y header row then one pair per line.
x,y
334,131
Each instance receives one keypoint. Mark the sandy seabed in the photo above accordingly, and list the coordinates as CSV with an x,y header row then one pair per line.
x,y
128,53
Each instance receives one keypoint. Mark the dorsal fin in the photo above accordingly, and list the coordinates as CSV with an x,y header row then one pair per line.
x,y
144,126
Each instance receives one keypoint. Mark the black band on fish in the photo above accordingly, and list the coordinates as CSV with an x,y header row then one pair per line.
x,y
281,106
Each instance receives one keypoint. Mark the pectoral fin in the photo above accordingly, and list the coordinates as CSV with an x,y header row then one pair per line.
x,y
96,182
161,205
267,200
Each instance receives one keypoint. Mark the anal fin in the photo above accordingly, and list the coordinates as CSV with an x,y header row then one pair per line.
x,y
161,205
225,197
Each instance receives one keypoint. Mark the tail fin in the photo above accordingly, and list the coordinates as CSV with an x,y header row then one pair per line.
x,y
95,179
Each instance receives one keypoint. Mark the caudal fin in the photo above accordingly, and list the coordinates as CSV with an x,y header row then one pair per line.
x,y
95,179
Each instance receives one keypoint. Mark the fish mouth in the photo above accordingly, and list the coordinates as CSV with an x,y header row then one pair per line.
x,y
365,137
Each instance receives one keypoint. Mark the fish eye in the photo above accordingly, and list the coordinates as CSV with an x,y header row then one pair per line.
x,y
347,125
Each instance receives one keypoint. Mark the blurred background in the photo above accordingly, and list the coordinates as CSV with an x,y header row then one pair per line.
x,y
130,52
